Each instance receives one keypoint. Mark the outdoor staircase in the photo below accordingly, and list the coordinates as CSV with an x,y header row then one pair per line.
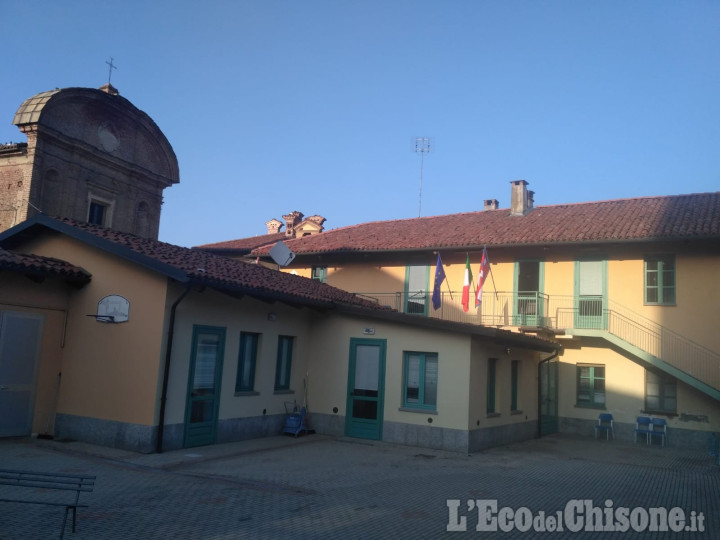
x,y
650,342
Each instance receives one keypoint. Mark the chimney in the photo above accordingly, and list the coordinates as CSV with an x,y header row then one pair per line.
x,y
291,220
273,226
520,198
490,204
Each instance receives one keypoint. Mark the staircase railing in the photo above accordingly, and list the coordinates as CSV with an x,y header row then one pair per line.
x,y
564,312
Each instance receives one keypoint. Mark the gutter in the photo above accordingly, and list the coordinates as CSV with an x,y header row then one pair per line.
x,y
166,371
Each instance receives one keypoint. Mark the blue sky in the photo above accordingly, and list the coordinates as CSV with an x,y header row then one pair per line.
x,y
275,106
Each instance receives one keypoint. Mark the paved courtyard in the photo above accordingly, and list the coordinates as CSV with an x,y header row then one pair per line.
x,y
327,488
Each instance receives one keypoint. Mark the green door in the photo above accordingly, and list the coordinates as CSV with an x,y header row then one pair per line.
x,y
548,398
203,395
590,287
528,288
366,383
416,289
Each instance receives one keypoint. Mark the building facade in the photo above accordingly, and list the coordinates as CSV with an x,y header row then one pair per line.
x,y
626,286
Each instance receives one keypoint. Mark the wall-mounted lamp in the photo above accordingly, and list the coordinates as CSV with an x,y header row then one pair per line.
x,y
507,351
272,317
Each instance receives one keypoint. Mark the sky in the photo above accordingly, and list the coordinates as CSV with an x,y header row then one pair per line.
x,y
273,106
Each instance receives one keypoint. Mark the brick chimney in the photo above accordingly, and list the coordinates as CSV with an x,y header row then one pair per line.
x,y
291,220
273,226
521,200
490,204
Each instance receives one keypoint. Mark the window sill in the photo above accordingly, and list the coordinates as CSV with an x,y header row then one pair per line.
x,y
247,393
669,414
493,415
418,410
278,392
512,413
590,406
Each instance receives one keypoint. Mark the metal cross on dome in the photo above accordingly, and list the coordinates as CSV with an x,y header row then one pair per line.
x,y
110,63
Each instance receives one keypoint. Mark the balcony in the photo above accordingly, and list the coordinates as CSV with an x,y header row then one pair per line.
x,y
588,315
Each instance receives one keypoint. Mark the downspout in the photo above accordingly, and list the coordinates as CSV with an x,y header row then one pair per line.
x,y
539,392
166,373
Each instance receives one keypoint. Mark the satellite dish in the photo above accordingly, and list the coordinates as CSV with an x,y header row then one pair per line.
x,y
281,254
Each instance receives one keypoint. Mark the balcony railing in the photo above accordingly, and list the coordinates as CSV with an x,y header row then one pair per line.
x,y
565,312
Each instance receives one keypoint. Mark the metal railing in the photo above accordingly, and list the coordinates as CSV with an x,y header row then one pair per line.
x,y
566,312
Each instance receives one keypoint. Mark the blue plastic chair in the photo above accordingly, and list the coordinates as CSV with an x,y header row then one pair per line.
x,y
605,423
643,426
659,429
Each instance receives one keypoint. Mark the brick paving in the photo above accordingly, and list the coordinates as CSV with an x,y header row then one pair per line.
x,y
319,487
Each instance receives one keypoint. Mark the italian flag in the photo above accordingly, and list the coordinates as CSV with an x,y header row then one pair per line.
x,y
466,285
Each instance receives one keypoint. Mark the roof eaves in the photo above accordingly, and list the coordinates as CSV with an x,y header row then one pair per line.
x,y
486,332
41,220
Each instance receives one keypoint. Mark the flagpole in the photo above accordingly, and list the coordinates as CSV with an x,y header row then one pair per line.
x,y
448,287
491,275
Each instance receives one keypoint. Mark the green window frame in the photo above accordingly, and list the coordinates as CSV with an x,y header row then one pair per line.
x,y
514,377
660,392
247,358
284,362
420,380
660,280
319,273
591,386
491,373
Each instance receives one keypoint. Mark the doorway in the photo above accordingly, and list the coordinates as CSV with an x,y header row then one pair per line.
x,y
203,396
366,385
20,337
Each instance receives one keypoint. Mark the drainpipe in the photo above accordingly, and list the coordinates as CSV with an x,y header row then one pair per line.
x,y
166,373
539,420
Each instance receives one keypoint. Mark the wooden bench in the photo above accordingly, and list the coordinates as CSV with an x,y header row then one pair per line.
x,y
45,485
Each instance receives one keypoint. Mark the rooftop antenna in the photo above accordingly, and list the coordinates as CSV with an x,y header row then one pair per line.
x,y
422,146
110,63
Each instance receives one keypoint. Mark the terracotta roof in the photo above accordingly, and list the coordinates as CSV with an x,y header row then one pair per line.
x,y
196,266
677,217
244,245
36,265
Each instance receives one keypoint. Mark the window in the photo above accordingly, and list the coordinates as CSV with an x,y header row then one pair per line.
x,y
421,379
319,273
660,392
590,386
247,356
660,280
284,362
491,385
514,373
96,214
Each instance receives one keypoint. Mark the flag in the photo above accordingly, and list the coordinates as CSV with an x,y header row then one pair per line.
x,y
484,271
466,285
439,278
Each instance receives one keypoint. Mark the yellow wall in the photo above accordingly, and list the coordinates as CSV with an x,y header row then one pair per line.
x,y
210,308
47,299
527,386
109,371
625,391
330,358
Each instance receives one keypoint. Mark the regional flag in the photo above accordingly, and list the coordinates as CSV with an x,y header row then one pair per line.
x,y
439,278
466,285
482,275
